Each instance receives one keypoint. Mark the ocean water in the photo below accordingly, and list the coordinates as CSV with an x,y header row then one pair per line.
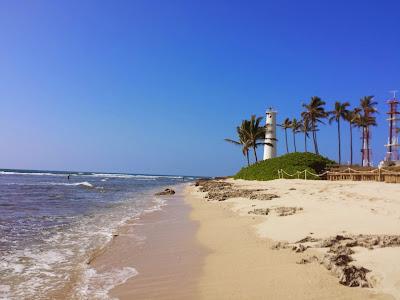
x,y
51,226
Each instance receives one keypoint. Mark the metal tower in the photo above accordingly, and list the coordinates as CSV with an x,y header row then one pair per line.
x,y
392,153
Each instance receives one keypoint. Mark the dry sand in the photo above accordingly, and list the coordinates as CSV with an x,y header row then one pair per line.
x,y
222,252
242,264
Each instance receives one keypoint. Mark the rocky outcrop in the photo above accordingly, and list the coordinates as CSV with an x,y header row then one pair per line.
x,y
263,197
338,258
259,211
287,211
165,192
221,190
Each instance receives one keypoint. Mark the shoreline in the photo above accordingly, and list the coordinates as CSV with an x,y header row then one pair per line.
x,y
217,250
161,248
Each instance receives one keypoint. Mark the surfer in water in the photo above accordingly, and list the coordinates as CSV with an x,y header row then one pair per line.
x,y
68,176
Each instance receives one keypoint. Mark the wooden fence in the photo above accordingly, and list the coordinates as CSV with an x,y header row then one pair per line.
x,y
349,174
372,175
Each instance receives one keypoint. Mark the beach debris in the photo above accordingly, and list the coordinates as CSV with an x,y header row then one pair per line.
x,y
292,189
259,211
165,192
263,197
287,211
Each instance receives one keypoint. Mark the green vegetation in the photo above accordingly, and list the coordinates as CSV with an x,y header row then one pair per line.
x,y
251,134
290,163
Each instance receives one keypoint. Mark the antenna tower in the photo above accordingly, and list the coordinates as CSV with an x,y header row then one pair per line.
x,y
392,153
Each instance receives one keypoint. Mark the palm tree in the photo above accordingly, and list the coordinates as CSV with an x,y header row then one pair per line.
x,y
314,113
364,122
243,139
367,105
305,128
285,126
339,112
351,117
295,126
256,134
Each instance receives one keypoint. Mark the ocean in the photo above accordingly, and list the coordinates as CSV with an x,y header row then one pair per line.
x,y
52,225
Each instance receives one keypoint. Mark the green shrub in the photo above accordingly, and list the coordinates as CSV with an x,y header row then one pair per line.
x,y
290,163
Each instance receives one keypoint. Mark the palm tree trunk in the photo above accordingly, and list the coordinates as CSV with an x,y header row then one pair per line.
x,y
362,145
351,144
367,140
255,154
294,141
338,129
305,141
315,138
287,146
247,156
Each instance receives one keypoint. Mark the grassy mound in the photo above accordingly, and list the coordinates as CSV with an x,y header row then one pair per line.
x,y
290,163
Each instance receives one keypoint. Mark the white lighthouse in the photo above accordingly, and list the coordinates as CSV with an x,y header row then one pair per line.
x,y
270,134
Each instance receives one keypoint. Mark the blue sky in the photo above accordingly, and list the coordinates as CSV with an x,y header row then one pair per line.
x,y
155,86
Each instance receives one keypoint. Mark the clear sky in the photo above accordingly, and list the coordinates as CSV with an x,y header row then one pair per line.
x,y
155,86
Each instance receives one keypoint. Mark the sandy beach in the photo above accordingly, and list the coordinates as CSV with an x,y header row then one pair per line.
x,y
243,265
201,248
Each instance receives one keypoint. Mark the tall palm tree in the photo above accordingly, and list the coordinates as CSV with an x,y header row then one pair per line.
x,y
351,117
256,134
339,112
285,126
305,128
295,126
364,122
243,139
367,105
314,112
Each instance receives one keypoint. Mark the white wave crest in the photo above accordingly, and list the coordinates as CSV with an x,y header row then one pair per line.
x,y
97,285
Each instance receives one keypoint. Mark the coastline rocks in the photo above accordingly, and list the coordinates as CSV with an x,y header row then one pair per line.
x,y
221,191
287,211
300,248
259,211
354,276
338,258
165,192
263,197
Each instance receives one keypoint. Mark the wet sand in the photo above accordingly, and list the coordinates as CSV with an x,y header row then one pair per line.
x,y
162,247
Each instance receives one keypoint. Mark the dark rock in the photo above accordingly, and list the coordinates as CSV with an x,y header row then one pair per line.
x,y
300,248
280,245
263,197
166,192
287,211
354,276
308,239
259,211
341,259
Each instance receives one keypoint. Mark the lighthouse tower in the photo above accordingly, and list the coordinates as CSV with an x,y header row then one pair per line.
x,y
270,134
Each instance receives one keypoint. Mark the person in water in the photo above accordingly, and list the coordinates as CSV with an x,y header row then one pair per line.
x,y
68,176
